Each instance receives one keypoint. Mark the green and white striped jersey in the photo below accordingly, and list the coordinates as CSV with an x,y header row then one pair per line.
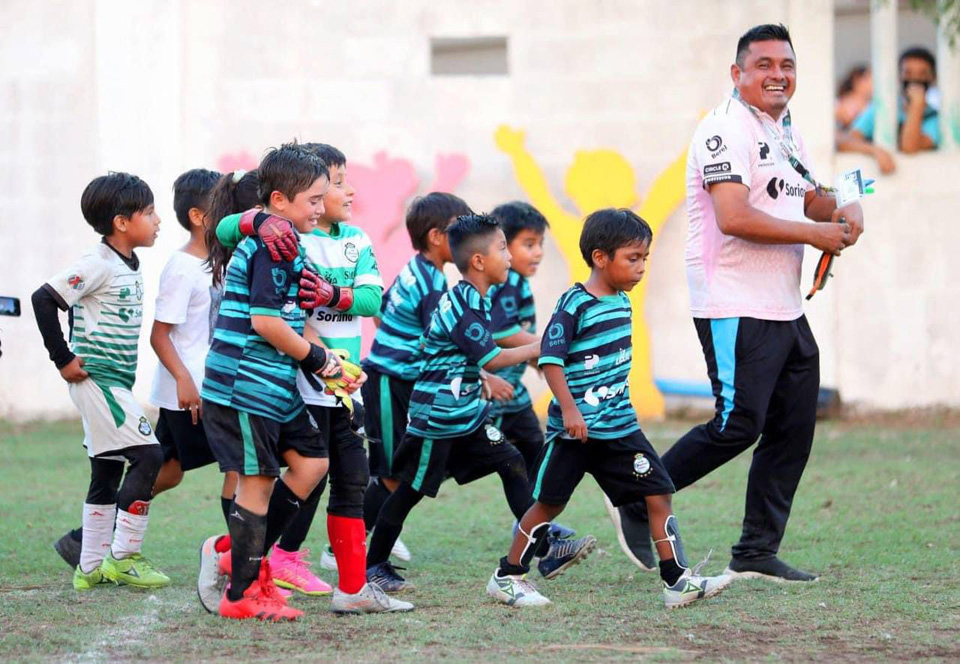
x,y
104,292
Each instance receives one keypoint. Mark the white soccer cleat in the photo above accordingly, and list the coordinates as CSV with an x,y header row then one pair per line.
x,y
370,599
328,561
210,582
514,590
400,551
692,587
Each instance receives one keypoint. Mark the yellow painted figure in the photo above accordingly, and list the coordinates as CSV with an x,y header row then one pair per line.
x,y
599,179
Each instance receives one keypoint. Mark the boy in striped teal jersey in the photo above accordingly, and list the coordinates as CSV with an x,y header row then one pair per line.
x,y
449,432
103,292
592,426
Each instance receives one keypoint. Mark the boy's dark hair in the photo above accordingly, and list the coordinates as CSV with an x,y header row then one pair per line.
x,y
610,229
759,33
191,190
113,194
289,169
435,210
330,155
469,235
920,53
234,192
517,216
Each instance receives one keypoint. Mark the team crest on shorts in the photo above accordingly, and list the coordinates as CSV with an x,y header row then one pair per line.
x,y
641,465
494,435
144,427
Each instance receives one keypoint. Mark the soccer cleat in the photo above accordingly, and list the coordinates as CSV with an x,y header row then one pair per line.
x,y
69,549
514,590
564,554
211,582
370,599
633,534
89,581
292,570
258,602
769,569
136,571
559,531
385,575
400,551
692,587
327,560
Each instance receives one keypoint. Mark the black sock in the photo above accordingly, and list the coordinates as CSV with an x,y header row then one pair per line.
x,y
77,534
296,533
670,571
513,570
284,506
516,488
390,523
373,499
225,505
247,531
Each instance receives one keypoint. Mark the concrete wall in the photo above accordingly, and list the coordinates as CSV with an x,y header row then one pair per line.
x,y
159,87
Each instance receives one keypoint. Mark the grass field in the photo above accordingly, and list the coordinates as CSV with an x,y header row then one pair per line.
x,y
877,514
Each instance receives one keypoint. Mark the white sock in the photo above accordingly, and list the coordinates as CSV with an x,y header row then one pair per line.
x,y
97,533
128,537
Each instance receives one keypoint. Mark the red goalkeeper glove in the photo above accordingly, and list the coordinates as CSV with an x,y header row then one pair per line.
x,y
315,291
276,233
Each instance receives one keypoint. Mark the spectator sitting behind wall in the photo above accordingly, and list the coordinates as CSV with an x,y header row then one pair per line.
x,y
853,96
918,127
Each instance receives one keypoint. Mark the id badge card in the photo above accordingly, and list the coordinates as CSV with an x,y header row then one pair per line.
x,y
849,188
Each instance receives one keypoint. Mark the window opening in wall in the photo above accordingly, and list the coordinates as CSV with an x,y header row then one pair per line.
x,y
468,56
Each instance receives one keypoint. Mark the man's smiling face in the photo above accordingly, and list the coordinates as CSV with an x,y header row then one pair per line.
x,y
767,76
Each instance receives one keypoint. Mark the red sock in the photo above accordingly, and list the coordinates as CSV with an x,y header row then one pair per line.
x,y
222,545
348,539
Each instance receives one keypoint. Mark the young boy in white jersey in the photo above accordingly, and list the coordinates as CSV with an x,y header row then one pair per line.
x,y
103,291
350,287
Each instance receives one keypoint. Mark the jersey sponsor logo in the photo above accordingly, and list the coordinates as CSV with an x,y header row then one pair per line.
x,y
641,465
624,356
350,252
76,282
144,427
407,277
714,143
590,361
127,313
328,317
713,169
509,304
475,332
764,150
778,186
594,396
279,276
458,390
555,334
445,305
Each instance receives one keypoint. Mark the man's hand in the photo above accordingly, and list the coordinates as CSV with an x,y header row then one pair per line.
x,y
497,388
916,95
853,215
276,232
830,237
315,291
574,424
188,398
884,160
73,372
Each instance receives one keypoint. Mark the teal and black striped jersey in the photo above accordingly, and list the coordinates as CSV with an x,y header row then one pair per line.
x,y
447,400
404,316
243,371
590,338
512,311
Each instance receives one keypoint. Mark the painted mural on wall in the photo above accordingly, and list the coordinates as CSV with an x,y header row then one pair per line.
x,y
597,179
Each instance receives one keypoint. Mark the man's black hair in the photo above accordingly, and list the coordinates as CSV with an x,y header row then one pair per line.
x,y
517,216
920,53
113,194
191,190
435,210
289,169
330,155
759,33
610,229
469,235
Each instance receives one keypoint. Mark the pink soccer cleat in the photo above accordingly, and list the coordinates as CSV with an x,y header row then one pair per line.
x,y
291,570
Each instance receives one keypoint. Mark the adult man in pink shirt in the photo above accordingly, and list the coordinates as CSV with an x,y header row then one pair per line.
x,y
750,202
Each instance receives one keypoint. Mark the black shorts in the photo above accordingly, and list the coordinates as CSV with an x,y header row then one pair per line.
x,y
627,469
348,472
386,401
253,445
183,440
523,431
425,462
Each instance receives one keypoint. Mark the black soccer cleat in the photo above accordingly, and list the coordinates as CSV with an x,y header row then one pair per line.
x,y
563,554
69,547
769,569
385,575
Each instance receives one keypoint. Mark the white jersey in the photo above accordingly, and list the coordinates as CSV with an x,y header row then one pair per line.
x,y
730,277
344,258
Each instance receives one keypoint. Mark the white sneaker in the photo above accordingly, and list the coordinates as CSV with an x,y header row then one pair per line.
x,y
370,599
692,587
328,560
514,590
210,583
400,551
